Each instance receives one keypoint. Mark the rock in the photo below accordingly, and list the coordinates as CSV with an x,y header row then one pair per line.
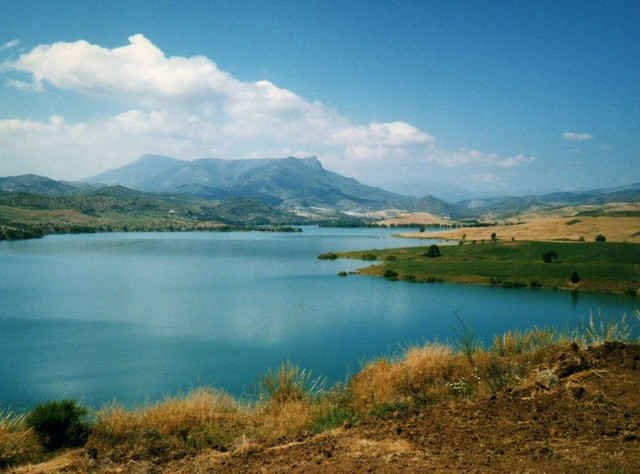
x,y
578,391
569,365
546,379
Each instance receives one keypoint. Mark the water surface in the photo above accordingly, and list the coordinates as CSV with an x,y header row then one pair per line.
x,y
138,316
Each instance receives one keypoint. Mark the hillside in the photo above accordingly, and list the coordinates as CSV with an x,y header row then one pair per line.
x,y
532,402
287,182
510,205
116,208
34,184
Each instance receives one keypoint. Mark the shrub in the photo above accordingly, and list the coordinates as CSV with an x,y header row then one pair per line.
x,y
369,256
550,256
433,252
342,273
60,424
391,274
327,256
535,284
575,278
391,258
494,237
601,238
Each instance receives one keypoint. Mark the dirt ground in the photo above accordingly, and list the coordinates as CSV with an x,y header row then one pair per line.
x,y
578,413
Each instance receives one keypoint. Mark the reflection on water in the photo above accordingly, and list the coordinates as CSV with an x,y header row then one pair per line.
x,y
139,316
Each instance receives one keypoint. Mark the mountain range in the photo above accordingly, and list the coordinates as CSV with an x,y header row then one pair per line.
x,y
283,184
287,182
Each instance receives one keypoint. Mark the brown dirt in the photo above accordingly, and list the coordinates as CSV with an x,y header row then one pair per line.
x,y
588,420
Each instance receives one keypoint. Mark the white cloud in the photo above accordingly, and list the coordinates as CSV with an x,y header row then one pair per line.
x,y
189,107
576,137
465,157
10,44
33,86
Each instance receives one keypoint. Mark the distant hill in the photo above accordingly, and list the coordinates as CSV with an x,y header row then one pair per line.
x,y
122,202
516,204
34,184
287,182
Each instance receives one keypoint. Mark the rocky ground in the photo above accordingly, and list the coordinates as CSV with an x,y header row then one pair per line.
x,y
580,412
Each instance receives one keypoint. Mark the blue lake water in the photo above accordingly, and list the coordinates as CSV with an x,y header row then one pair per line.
x,y
135,317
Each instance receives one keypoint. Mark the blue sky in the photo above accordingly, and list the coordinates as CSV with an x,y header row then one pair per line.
x,y
456,99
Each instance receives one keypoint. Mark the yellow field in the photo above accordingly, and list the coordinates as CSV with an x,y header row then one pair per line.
x,y
615,229
408,218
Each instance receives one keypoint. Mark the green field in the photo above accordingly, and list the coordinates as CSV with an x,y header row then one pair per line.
x,y
604,267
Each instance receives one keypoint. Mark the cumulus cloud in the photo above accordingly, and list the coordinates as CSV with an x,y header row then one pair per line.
x,y
189,107
10,44
576,137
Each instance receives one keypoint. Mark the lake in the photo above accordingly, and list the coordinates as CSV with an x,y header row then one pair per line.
x,y
134,317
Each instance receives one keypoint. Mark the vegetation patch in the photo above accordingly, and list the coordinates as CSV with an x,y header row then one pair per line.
x,y
600,266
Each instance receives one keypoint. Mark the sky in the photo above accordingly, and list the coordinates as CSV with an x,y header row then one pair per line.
x,y
456,99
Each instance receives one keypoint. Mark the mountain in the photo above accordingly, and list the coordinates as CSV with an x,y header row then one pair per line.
x,y
34,184
287,182
515,204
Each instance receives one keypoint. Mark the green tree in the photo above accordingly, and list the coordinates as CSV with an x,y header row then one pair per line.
x,y
433,252
550,256
575,278
601,238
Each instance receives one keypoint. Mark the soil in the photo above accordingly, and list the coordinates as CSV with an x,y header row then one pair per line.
x,y
584,419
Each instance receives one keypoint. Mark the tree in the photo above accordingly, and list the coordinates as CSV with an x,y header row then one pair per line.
x,y
575,278
422,229
433,252
601,238
391,274
550,256
494,237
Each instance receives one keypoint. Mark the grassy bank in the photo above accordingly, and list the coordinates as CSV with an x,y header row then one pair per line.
x,y
601,266
294,405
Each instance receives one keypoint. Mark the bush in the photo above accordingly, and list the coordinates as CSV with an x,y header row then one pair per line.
x,y
342,273
494,237
601,238
391,258
327,256
433,252
575,278
391,274
550,256
369,256
60,424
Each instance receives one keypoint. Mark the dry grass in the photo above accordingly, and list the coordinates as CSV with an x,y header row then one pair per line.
x,y
174,427
18,444
616,229
413,218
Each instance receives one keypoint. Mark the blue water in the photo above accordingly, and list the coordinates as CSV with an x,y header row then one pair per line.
x,y
138,316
